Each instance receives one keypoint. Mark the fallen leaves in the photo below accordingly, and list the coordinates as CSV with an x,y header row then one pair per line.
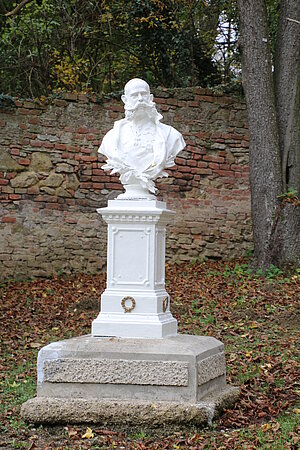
x,y
88,434
35,345
255,318
265,427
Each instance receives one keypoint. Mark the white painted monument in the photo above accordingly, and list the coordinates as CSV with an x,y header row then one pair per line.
x,y
140,148
134,369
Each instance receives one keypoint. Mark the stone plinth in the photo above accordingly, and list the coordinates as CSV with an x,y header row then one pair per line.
x,y
135,302
179,379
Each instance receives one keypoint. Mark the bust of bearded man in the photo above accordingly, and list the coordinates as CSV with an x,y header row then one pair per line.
x,y
139,147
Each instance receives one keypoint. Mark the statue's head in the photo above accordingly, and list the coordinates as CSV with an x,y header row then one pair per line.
x,y
138,102
136,92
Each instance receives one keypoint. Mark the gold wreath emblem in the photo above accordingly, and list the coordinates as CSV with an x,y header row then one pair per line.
x,y
128,309
165,303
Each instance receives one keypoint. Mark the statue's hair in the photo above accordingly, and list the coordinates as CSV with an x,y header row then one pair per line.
x,y
133,81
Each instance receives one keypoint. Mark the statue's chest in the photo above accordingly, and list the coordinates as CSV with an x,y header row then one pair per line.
x,y
136,145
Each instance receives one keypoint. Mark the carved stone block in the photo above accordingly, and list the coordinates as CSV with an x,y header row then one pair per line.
x,y
180,379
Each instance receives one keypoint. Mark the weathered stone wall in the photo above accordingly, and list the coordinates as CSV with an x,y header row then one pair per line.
x,y
51,181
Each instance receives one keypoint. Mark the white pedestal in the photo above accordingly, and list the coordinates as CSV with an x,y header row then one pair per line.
x,y
135,303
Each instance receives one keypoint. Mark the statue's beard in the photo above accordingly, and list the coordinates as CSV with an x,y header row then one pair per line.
x,y
139,109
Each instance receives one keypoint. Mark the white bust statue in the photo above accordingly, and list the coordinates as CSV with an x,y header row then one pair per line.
x,y
139,147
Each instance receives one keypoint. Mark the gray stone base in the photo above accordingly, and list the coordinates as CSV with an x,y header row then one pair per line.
x,y
179,379
43,410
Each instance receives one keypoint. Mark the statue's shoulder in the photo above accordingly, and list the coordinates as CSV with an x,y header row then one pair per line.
x,y
117,125
113,132
173,140
168,131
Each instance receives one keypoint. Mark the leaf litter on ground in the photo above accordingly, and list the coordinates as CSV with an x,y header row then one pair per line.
x,y
256,317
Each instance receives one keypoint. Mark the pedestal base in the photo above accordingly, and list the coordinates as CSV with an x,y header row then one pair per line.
x,y
90,379
136,192
135,326
45,410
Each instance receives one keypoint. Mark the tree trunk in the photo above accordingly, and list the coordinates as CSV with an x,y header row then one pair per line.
x,y
287,91
287,94
265,171
274,128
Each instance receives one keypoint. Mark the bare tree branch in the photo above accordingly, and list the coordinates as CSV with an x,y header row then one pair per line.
x,y
17,8
293,20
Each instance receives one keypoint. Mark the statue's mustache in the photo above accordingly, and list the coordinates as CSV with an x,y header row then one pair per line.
x,y
147,108
138,104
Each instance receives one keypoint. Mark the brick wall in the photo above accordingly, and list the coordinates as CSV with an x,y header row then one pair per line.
x,y
51,181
